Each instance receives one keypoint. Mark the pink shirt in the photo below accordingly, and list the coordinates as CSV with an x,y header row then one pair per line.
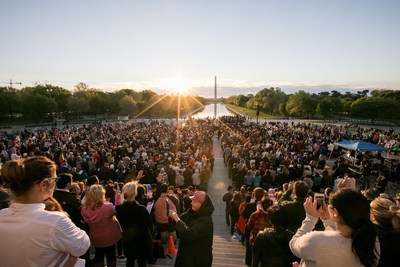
x,y
160,209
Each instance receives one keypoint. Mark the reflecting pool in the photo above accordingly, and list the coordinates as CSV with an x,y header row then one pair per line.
x,y
208,111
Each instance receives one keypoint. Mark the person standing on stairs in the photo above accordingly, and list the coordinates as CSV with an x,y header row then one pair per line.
x,y
195,229
257,195
104,228
227,197
162,207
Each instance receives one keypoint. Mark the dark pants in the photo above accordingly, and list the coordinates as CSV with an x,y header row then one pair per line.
x,y
234,221
249,256
227,215
119,247
142,261
109,252
86,257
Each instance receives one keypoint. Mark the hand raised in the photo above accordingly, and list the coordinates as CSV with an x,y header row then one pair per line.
x,y
173,215
311,207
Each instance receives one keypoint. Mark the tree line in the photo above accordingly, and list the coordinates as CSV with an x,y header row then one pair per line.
x,y
44,102
377,104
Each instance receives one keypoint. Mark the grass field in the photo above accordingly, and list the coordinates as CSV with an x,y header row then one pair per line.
x,y
252,113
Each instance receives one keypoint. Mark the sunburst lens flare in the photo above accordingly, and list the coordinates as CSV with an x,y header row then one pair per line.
x,y
176,85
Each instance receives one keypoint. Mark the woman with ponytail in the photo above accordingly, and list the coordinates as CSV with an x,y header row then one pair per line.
x,y
349,239
31,235
385,215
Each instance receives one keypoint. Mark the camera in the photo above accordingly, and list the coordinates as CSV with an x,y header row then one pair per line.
x,y
319,198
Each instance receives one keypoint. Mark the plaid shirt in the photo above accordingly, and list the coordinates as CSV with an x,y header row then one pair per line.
x,y
257,222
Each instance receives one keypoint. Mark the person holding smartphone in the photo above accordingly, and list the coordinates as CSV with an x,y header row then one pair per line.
x,y
195,228
349,239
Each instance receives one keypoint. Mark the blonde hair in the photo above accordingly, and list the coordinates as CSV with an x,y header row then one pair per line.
x,y
278,195
95,196
386,213
129,191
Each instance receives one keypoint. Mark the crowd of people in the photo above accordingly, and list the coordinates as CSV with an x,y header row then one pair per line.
x,y
287,165
120,187
117,184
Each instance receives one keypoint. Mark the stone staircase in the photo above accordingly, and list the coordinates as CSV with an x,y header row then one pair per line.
x,y
226,251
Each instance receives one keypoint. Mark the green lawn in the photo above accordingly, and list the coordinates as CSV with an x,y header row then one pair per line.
x,y
252,113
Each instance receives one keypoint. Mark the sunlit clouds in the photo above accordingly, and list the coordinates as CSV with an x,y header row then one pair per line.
x,y
229,87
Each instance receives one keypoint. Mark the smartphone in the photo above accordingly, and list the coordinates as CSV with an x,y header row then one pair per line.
x,y
320,199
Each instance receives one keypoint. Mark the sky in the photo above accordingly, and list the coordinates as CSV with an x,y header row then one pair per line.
x,y
168,45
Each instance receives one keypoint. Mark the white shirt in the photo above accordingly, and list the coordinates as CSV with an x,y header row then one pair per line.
x,y
32,236
323,248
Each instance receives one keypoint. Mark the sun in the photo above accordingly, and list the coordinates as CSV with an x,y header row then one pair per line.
x,y
177,85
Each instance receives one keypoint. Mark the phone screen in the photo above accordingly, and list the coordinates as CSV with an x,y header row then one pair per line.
x,y
320,198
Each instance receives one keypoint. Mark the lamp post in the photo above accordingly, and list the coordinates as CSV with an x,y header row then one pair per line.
x,y
258,111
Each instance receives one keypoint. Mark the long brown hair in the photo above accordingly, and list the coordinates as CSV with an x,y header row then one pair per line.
x,y
237,198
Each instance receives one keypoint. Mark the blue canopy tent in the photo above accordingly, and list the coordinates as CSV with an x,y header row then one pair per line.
x,y
359,145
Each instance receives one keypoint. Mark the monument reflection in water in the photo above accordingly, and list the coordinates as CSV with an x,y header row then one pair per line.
x,y
208,111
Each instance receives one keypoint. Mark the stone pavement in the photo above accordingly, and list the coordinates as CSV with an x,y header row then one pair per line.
x,y
227,252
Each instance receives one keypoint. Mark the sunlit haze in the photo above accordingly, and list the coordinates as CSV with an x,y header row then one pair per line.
x,y
311,45
177,85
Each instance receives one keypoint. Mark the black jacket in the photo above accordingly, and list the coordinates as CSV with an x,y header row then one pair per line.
x,y
249,208
271,248
195,230
71,205
390,245
136,226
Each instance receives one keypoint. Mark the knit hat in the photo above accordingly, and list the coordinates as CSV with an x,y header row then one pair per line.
x,y
199,197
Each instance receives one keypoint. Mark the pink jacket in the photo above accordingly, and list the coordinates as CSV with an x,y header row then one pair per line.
x,y
102,227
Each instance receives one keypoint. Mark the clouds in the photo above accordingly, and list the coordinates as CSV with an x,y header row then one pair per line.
x,y
230,87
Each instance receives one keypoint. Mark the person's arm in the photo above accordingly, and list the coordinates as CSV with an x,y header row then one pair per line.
x,y
195,231
296,244
250,222
326,218
343,183
65,236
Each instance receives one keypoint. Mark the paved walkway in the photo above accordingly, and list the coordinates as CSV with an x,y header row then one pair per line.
x,y
226,252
